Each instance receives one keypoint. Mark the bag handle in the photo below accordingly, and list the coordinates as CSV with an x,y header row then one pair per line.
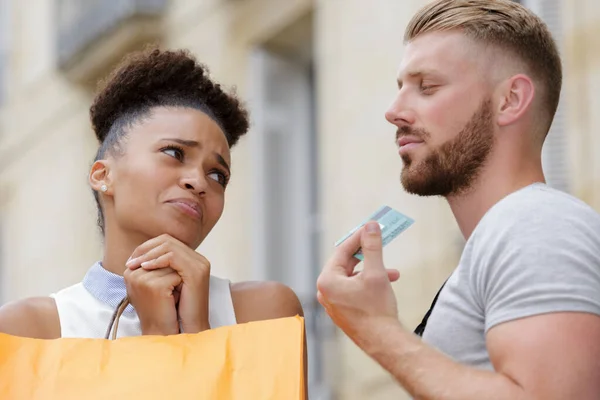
x,y
114,320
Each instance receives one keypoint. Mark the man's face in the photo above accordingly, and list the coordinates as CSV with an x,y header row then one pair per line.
x,y
444,114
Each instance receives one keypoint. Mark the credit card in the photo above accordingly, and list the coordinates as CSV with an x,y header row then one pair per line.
x,y
391,222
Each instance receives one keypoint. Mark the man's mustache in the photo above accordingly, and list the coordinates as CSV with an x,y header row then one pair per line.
x,y
406,130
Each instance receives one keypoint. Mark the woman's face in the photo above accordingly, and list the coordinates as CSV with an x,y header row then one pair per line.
x,y
171,177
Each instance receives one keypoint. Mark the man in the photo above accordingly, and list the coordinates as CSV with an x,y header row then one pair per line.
x,y
519,318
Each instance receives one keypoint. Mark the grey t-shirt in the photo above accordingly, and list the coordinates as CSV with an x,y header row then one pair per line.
x,y
536,251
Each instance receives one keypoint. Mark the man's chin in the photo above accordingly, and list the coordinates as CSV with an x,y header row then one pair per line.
x,y
409,181
417,183
413,188
406,160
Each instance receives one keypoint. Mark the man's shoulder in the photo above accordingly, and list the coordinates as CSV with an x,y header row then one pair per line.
x,y
539,210
538,227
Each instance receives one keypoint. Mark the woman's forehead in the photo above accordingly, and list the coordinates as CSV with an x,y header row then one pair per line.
x,y
182,123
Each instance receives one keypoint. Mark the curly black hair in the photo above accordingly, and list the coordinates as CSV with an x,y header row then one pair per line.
x,y
153,78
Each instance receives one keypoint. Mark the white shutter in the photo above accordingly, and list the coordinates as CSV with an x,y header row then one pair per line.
x,y
283,163
555,151
285,231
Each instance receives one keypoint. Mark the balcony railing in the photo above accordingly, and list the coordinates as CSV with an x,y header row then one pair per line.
x,y
82,24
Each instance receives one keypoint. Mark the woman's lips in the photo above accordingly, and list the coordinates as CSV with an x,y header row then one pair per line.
x,y
188,207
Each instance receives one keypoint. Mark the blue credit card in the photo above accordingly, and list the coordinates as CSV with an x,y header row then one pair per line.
x,y
391,222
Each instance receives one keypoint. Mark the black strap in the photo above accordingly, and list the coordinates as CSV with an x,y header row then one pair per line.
x,y
421,328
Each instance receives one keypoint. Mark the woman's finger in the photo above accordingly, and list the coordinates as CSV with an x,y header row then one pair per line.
x,y
163,261
147,246
152,254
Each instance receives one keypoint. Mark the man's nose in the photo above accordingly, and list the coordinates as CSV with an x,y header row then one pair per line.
x,y
400,113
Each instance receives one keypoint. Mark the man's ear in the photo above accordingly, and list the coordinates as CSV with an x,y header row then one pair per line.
x,y
100,177
516,98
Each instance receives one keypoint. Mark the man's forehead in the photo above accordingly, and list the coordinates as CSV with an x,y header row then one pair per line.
x,y
438,52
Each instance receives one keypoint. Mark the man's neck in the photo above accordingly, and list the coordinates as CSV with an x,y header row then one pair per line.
x,y
497,180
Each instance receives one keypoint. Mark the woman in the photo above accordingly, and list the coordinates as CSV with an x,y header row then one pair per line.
x,y
159,179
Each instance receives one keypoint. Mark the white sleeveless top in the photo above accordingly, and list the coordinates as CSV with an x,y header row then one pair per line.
x,y
85,309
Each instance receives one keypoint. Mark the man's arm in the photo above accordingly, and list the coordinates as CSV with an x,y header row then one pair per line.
x,y
544,355
552,356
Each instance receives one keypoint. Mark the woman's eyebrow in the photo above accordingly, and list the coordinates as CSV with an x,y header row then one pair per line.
x,y
183,142
193,143
222,161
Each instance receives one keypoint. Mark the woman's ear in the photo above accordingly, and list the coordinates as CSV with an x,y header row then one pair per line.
x,y
100,177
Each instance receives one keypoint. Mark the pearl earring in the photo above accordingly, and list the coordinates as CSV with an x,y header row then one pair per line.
x,y
104,188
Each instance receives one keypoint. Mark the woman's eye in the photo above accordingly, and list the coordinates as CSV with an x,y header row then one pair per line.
x,y
219,177
174,152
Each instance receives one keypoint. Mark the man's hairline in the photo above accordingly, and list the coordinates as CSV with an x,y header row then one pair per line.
x,y
495,57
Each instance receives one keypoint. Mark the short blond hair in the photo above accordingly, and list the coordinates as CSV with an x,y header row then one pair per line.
x,y
504,24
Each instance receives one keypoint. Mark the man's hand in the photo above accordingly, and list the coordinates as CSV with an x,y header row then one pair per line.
x,y
357,301
165,252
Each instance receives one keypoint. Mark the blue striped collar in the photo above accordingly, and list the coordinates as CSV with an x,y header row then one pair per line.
x,y
107,287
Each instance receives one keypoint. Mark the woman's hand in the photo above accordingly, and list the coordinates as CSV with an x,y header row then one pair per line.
x,y
165,252
154,296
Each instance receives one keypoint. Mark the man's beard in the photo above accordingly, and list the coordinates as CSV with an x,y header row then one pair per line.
x,y
451,168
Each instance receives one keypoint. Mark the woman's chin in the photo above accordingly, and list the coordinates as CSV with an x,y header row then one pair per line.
x,y
188,237
189,234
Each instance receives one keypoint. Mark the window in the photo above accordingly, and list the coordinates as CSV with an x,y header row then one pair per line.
x,y
4,46
286,228
554,153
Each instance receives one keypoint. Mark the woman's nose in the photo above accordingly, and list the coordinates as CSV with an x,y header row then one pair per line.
x,y
196,183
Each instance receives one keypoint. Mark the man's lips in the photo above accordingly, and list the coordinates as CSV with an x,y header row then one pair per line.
x,y
407,140
406,143
187,206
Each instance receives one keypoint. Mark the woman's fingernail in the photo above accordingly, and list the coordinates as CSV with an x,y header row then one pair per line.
x,y
145,264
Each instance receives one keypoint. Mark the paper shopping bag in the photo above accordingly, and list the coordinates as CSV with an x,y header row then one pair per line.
x,y
257,360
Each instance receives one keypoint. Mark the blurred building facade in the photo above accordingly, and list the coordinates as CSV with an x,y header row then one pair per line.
x,y
317,76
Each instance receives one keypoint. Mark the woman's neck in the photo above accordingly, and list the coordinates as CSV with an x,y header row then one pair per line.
x,y
118,247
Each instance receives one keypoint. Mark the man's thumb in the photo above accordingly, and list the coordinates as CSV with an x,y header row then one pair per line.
x,y
371,246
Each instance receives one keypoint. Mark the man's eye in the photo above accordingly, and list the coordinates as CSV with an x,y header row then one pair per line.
x,y
427,89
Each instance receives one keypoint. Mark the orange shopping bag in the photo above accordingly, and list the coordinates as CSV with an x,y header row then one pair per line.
x,y
257,360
